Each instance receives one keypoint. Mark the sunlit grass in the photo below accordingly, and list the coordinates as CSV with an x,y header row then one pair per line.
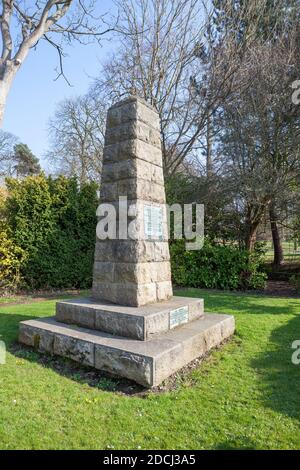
x,y
245,395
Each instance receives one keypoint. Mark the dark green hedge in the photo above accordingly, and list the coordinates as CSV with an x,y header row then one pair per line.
x,y
53,221
216,266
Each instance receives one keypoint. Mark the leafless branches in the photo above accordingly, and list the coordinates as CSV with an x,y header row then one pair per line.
x,y
23,24
77,136
7,143
155,59
261,139
172,56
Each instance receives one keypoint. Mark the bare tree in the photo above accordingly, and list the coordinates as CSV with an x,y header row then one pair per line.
x,y
155,59
7,161
171,56
260,139
24,24
77,136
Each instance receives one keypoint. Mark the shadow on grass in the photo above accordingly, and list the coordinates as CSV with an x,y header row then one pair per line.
x,y
280,378
9,326
81,374
241,444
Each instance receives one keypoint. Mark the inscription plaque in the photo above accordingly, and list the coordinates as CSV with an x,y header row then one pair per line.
x,y
153,223
179,316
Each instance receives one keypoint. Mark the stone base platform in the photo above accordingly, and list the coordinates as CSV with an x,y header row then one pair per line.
x,y
146,362
141,323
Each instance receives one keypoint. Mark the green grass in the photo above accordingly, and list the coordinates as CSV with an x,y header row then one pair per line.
x,y
4,301
19,298
290,254
245,396
7,300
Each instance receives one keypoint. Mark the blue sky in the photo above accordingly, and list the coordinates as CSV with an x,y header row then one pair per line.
x,y
34,93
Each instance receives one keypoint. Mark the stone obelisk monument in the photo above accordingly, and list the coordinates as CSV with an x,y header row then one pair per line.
x,y
134,269
131,326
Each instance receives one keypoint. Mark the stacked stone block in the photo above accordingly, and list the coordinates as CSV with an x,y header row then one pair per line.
x,y
133,271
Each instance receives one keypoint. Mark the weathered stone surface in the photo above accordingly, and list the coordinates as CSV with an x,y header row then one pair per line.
x,y
132,168
124,325
125,364
127,251
78,349
132,109
163,290
146,362
125,293
133,188
40,339
133,322
193,340
46,343
142,273
131,294
79,314
104,271
133,130
26,335
132,148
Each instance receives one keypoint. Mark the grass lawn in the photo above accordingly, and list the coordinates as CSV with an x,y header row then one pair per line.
x,y
5,300
244,396
290,254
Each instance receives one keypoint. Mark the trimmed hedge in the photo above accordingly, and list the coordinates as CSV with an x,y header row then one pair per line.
x,y
216,267
47,239
53,221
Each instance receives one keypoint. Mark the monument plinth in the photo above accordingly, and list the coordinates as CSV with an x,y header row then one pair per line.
x,y
132,326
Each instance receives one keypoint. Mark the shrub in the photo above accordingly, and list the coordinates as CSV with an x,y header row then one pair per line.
x,y
11,256
216,266
53,221
11,259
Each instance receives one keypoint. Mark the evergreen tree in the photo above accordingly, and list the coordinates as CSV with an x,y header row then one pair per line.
x,y
263,19
26,163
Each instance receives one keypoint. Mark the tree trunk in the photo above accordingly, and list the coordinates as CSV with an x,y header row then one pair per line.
x,y
254,216
7,74
251,236
209,165
3,97
253,219
278,252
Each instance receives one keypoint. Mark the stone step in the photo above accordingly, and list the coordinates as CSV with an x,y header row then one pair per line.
x,y
140,323
146,362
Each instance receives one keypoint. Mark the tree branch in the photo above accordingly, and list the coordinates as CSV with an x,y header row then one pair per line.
x,y
7,8
60,56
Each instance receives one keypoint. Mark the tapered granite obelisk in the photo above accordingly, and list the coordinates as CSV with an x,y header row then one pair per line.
x,y
135,271
132,326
